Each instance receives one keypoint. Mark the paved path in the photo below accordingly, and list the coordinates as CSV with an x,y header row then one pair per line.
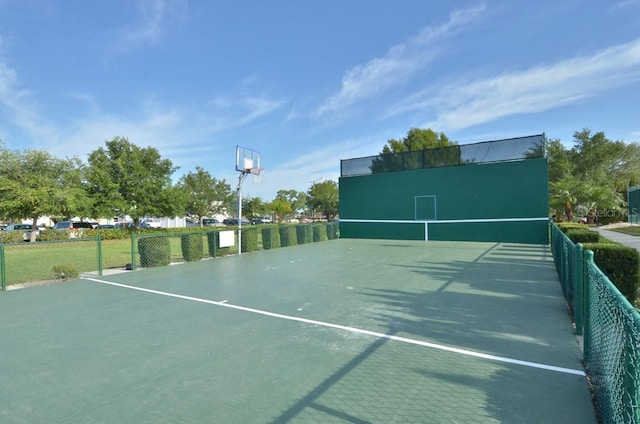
x,y
624,239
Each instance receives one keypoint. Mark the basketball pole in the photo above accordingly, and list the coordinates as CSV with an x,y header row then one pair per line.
x,y
241,178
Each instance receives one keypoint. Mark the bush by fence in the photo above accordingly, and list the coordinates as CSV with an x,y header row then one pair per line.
x,y
303,233
249,242
620,264
319,232
154,251
191,245
288,235
270,237
582,235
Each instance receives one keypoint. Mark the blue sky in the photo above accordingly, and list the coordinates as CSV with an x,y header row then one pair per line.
x,y
308,83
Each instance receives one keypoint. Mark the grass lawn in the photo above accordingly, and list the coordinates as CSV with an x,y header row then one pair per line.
x,y
632,230
34,262
31,262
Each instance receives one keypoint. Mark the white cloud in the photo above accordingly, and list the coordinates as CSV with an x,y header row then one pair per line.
x,y
229,113
401,61
463,104
151,23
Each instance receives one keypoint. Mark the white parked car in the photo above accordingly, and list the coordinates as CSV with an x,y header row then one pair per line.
x,y
150,223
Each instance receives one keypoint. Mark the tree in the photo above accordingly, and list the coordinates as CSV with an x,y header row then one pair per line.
x,y
396,156
33,183
253,207
280,208
134,181
559,161
323,197
204,194
594,174
297,200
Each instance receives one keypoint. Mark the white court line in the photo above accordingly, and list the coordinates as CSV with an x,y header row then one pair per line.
x,y
225,304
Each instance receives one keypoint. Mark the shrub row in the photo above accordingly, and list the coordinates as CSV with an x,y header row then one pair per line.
x,y
156,250
619,263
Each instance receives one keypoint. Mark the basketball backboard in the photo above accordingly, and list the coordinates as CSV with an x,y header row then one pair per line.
x,y
247,160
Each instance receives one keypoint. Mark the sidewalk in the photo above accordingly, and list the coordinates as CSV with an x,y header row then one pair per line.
x,y
624,239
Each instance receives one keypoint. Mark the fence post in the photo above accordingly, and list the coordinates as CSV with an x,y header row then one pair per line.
x,y
586,327
99,255
133,251
3,275
578,278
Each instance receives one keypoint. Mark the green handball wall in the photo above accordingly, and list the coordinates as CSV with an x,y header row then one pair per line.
x,y
396,205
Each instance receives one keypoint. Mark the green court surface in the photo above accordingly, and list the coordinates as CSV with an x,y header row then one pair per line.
x,y
344,331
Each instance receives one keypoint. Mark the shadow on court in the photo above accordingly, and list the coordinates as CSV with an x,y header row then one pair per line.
x,y
346,331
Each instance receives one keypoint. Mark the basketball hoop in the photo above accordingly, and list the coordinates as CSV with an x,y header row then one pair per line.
x,y
247,162
256,173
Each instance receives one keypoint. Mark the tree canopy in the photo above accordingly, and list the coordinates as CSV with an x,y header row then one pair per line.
x,y
34,183
593,175
125,179
323,197
407,152
205,195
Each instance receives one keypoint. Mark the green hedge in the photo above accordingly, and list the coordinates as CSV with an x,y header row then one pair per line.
x,y
620,264
154,251
288,236
566,226
583,235
319,232
270,237
249,240
192,247
332,230
303,233
213,244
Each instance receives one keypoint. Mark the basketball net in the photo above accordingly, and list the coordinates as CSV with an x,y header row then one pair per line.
x,y
256,173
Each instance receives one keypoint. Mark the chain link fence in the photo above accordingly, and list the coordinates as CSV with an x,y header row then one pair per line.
x,y
29,263
611,329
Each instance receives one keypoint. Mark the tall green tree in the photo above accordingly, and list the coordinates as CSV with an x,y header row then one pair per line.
x,y
323,197
406,153
253,207
34,183
296,199
280,208
205,195
594,174
128,180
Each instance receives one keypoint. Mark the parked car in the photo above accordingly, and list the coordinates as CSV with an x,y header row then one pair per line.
x,y
150,223
106,226
75,228
234,221
211,222
26,236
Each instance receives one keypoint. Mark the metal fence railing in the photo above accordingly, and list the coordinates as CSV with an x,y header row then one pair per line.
x,y
44,261
610,327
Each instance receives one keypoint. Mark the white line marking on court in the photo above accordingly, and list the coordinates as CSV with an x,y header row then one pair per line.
x,y
349,329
